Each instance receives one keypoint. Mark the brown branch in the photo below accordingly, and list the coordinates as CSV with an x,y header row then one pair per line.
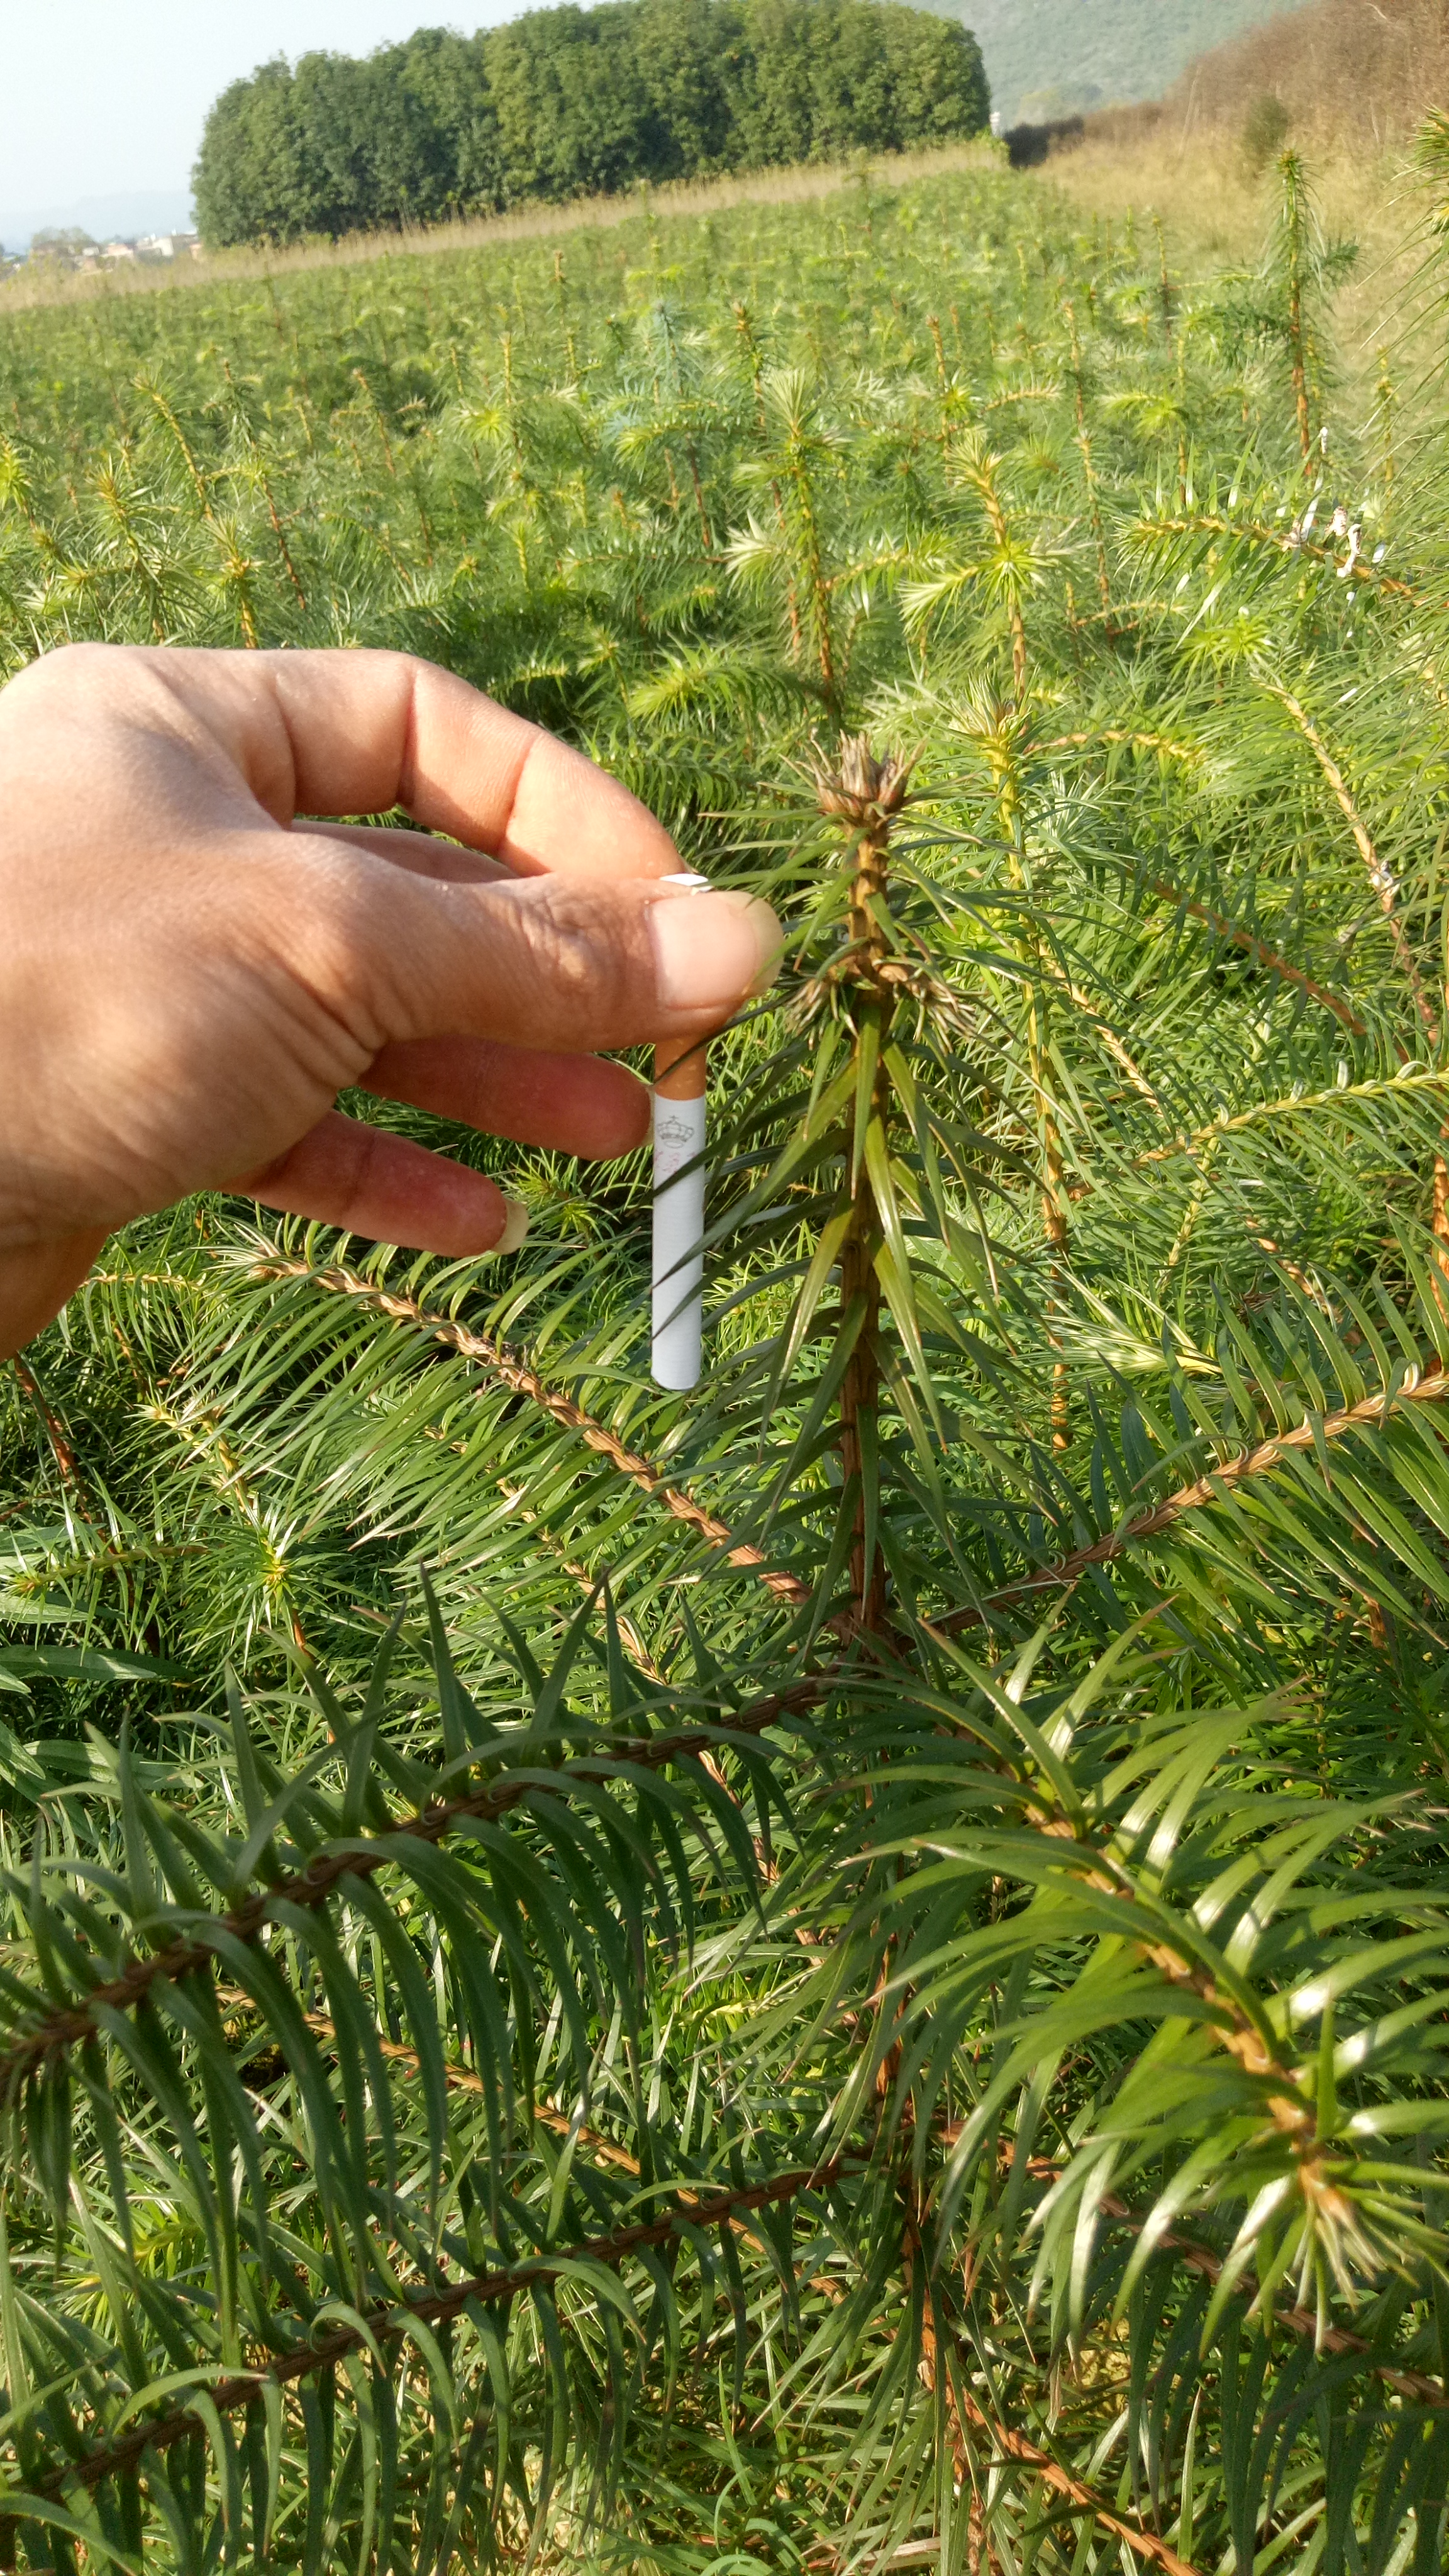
x,y
1193,2256
463,2080
581,1575
1084,1003
1235,2029
437,2307
1249,940
241,2388
585,1577
1380,875
1427,1385
1265,956
1412,1078
864,795
938,2323
56,1436
1144,2544
515,1373
70,2025
1366,575
1414,2384
1201,2258
1441,1233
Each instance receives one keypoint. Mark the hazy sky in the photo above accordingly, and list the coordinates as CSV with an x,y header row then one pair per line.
x,y
102,95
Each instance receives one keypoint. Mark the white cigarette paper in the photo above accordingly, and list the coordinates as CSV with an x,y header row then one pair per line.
x,y
679,1133
678,1266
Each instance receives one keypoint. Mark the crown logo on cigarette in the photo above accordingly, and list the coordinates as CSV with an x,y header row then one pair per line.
x,y
673,1131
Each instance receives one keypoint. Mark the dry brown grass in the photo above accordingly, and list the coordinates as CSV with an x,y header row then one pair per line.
x,y
1356,78
1215,213
528,223
1215,209
1362,71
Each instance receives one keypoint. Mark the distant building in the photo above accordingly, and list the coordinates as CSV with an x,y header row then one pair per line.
x,y
69,248
75,250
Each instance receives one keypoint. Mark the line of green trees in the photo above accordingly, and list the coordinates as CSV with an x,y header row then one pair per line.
x,y
570,101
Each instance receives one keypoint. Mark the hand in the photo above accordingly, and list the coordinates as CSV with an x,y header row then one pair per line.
x,y
191,968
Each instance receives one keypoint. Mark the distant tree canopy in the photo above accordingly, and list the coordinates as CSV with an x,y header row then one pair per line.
x,y
569,101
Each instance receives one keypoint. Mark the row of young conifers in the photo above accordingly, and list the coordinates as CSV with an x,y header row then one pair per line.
x,y
845,1970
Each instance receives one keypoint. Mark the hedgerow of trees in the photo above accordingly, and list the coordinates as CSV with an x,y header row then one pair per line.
x,y
571,101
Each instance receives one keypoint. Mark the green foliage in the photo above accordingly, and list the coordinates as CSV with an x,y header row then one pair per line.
x,y
1265,131
567,102
847,1970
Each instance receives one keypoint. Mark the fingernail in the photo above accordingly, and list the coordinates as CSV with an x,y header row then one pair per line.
x,y
714,950
515,1226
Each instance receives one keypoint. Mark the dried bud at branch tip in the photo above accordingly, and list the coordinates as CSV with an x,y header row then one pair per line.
x,y
863,789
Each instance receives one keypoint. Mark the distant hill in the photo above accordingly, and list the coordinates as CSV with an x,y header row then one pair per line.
x,y
146,210
1048,58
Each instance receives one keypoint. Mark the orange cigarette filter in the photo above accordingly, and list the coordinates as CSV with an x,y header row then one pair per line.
x,y
681,1069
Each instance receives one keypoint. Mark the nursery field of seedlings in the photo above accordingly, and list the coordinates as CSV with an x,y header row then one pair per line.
x,y
846,1971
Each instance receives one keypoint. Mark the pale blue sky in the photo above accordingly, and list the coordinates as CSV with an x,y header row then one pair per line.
x,y
102,96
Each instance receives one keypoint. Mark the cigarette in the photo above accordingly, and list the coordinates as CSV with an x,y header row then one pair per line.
x,y
679,1137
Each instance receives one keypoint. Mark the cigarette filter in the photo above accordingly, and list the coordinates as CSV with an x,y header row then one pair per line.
x,y
679,1140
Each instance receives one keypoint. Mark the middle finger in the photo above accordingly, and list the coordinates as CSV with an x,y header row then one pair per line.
x,y
574,1104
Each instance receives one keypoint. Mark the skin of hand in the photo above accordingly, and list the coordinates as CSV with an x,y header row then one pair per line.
x,y
192,965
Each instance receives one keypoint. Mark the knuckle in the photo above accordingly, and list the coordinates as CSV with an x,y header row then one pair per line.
x,y
587,949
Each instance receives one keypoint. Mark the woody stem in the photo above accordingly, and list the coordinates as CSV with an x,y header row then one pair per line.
x,y
860,1392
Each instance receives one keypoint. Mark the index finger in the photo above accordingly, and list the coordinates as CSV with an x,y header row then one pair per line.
x,y
360,732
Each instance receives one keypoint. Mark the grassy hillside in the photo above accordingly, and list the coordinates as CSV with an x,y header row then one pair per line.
x,y
1051,57
1359,70
1352,80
